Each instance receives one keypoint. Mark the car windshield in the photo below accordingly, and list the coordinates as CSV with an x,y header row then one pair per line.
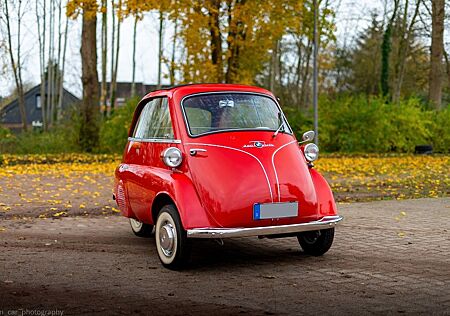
x,y
216,112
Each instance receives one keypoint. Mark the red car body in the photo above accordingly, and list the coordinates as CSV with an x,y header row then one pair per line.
x,y
223,175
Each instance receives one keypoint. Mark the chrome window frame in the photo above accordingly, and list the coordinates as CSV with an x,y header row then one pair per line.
x,y
156,140
186,122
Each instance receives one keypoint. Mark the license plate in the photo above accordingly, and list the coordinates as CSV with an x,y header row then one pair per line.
x,y
275,210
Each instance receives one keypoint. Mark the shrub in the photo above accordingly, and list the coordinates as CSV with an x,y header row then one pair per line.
x,y
362,124
298,121
408,125
60,139
440,130
353,124
114,131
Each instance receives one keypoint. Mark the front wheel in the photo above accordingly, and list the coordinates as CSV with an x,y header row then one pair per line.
x,y
316,242
172,243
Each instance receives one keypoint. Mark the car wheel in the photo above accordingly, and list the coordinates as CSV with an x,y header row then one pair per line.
x,y
172,243
140,229
316,242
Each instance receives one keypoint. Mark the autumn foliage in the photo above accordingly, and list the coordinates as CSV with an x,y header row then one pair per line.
x,y
79,184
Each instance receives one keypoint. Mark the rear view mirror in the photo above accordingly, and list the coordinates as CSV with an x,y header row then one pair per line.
x,y
308,136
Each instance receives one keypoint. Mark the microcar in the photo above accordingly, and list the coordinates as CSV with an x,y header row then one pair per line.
x,y
220,161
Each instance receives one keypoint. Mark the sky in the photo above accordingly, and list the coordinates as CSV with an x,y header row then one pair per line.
x,y
351,15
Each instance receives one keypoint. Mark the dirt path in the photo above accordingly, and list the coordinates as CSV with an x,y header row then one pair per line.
x,y
388,257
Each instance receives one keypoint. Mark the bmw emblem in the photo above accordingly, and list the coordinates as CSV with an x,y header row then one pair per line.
x,y
258,144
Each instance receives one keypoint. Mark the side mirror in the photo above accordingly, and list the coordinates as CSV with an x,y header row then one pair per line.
x,y
308,136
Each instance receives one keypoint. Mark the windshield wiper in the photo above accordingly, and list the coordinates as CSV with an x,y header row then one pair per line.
x,y
281,127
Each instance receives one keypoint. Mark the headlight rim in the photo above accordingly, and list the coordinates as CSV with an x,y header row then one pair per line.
x,y
306,152
166,159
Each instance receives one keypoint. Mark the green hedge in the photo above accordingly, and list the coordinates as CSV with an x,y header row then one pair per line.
x,y
361,124
61,139
114,131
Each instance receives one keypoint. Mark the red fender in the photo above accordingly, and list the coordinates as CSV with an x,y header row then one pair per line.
x,y
325,199
182,191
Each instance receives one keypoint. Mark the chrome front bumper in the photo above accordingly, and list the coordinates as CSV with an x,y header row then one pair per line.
x,y
323,223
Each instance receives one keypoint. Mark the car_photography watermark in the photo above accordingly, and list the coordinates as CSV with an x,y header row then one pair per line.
x,y
31,312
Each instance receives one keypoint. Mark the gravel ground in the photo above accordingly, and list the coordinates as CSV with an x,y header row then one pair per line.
x,y
388,257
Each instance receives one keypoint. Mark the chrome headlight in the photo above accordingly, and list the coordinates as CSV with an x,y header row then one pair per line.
x,y
311,152
172,157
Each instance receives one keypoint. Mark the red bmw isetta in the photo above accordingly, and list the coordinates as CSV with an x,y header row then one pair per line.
x,y
220,161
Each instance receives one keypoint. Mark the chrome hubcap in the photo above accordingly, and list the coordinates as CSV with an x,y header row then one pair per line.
x,y
166,239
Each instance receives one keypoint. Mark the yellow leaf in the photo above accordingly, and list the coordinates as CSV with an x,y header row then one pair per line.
x,y
115,210
59,214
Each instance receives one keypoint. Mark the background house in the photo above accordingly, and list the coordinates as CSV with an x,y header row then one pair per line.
x,y
10,114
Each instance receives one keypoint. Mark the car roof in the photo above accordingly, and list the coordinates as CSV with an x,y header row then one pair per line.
x,y
187,89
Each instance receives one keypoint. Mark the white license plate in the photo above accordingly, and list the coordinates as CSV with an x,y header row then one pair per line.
x,y
275,210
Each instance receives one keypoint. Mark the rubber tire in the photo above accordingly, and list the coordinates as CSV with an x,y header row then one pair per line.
x,y
145,230
320,246
183,246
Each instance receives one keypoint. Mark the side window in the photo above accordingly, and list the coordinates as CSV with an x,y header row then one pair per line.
x,y
154,121
38,101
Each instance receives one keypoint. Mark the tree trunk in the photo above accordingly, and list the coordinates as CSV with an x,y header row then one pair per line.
x,y
174,46
447,65
41,42
236,35
160,43
113,41
298,73
104,48
304,95
386,51
58,76
89,129
216,39
16,64
63,68
116,63
133,77
437,51
273,67
404,50
51,65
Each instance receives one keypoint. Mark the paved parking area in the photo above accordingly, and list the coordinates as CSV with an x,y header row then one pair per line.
x,y
388,257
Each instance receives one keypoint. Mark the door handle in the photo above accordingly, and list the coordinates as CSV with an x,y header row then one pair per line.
x,y
194,151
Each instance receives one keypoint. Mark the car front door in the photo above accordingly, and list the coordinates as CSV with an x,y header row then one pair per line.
x,y
152,134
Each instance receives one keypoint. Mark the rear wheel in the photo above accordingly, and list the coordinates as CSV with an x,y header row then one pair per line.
x,y
172,243
316,242
140,229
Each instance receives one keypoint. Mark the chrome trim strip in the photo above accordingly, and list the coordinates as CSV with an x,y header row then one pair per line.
x,y
259,161
186,123
275,169
323,223
154,140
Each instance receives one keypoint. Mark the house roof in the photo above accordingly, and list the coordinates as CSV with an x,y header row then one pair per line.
x,y
30,91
